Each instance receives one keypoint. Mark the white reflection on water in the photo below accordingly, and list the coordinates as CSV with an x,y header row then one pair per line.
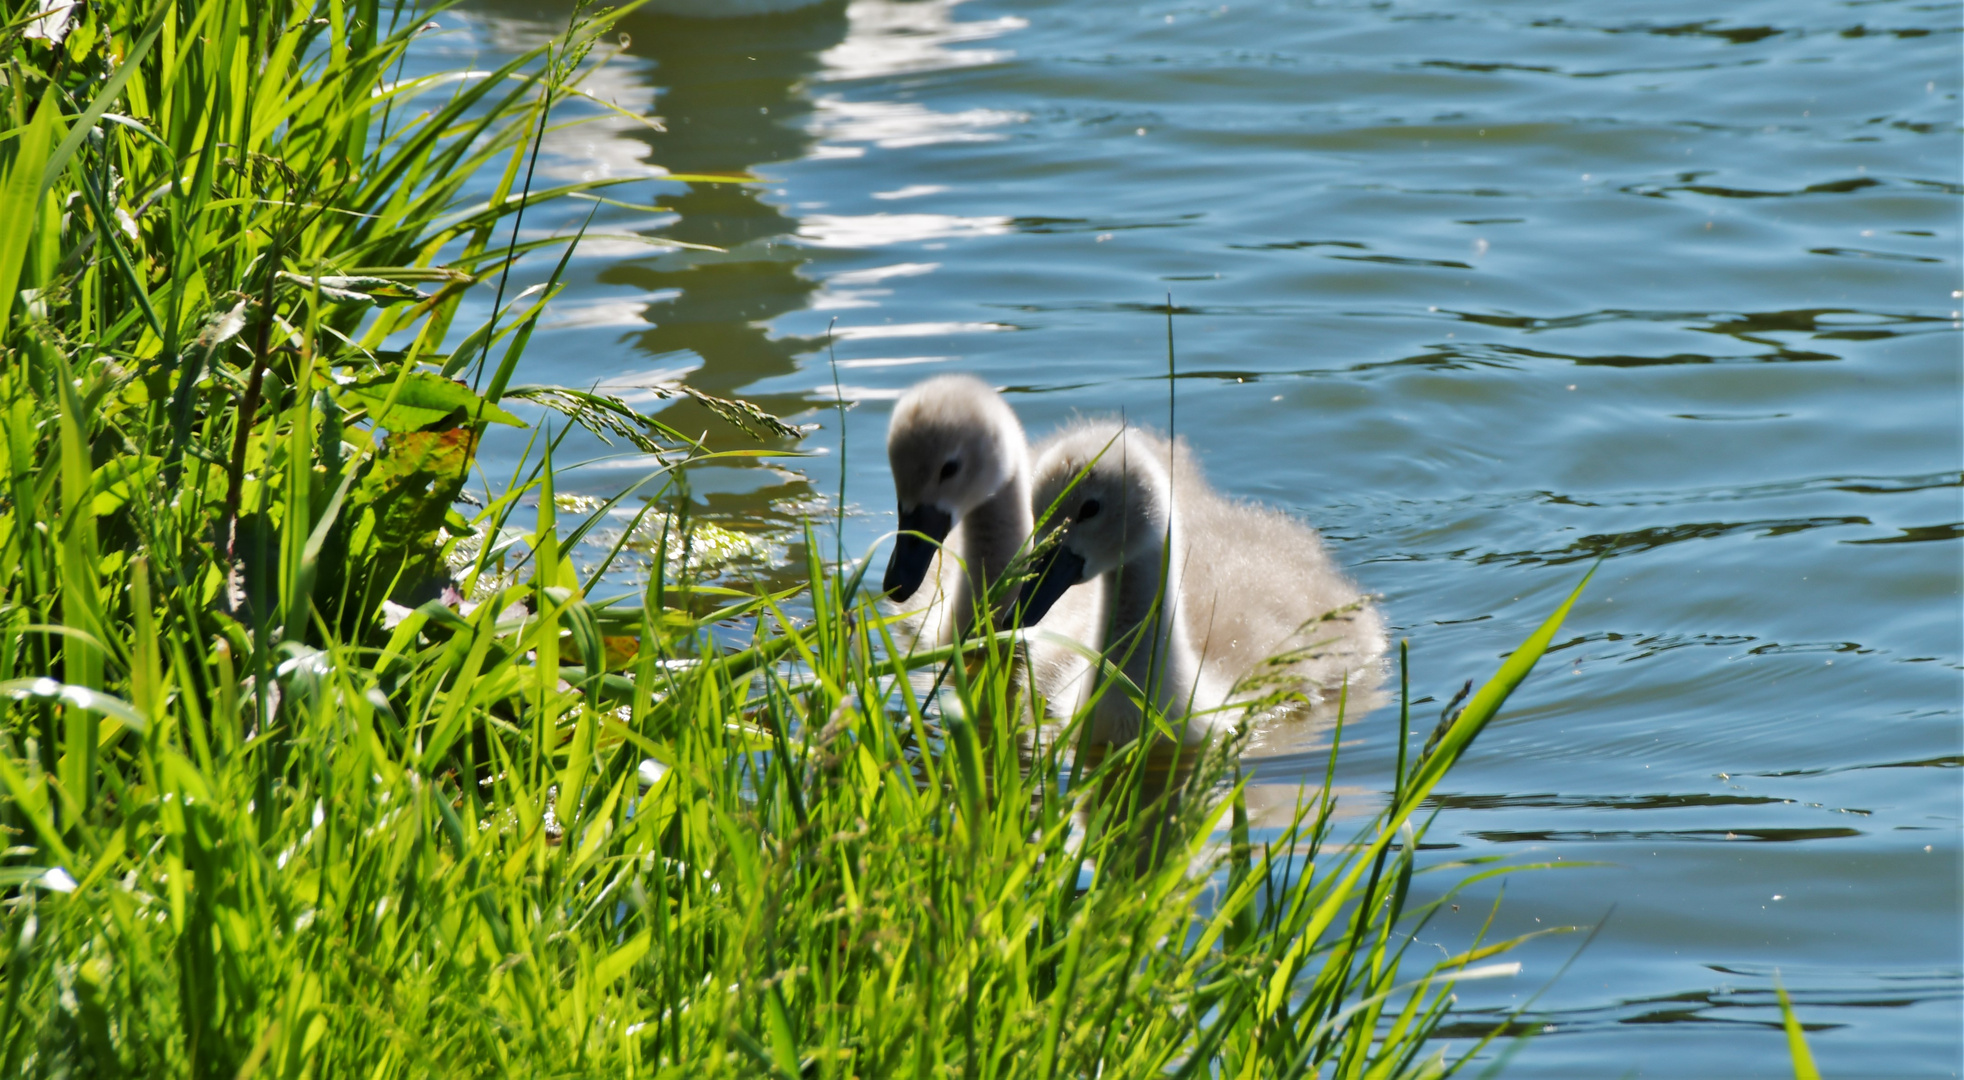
x,y
923,329
876,230
840,292
911,191
850,393
623,243
887,38
890,38
895,361
603,147
592,314
846,299
881,273
896,124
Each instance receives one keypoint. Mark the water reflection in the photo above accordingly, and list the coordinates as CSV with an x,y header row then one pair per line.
x,y
751,98
1715,1009
908,38
736,95
732,98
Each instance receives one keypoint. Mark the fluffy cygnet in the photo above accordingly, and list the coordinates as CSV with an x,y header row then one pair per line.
x,y
1252,604
961,476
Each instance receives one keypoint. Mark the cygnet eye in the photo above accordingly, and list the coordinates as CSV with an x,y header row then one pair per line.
x,y
950,469
1088,511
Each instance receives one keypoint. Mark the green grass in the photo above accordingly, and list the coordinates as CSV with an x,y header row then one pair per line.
x,y
1803,1058
255,828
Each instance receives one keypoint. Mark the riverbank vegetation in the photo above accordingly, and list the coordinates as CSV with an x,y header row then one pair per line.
x,y
310,766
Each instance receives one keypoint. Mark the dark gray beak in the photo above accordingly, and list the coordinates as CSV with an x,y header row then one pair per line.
x,y
921,531
1056,572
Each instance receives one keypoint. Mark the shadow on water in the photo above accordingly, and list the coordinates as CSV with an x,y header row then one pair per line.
x,y
1607,802
732,98
1611,545
1719,1008
1772,835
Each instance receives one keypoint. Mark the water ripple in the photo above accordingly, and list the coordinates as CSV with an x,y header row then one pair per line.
x,y
1741,833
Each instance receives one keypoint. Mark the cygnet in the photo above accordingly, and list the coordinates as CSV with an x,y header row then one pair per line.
x,y
1210,606
961,476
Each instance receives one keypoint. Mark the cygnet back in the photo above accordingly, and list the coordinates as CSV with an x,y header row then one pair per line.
x,y
1262,602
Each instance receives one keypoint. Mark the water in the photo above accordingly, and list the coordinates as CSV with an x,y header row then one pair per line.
x,y
1482,292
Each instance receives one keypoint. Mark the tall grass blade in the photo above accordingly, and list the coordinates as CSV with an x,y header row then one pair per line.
x,y
1803,1058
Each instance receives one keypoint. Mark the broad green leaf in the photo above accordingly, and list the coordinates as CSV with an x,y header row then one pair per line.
x,y
20,200
414,481
621,960
425,398
79,697
123,479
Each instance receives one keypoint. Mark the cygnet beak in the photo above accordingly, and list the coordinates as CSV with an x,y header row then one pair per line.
x,y
912,554
1058,570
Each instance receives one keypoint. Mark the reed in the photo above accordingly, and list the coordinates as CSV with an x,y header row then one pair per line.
x,y
273,806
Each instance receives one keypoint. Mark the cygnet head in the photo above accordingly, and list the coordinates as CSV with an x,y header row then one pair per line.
x,y
1109,502
953,444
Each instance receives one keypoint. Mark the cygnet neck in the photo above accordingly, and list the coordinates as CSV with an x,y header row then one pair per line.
x,y
1162,662
991,535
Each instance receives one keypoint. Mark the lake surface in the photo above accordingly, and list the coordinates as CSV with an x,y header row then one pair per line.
x,y
1482,291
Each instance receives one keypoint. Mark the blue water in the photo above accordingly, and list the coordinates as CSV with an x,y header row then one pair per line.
x,y
1482,291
